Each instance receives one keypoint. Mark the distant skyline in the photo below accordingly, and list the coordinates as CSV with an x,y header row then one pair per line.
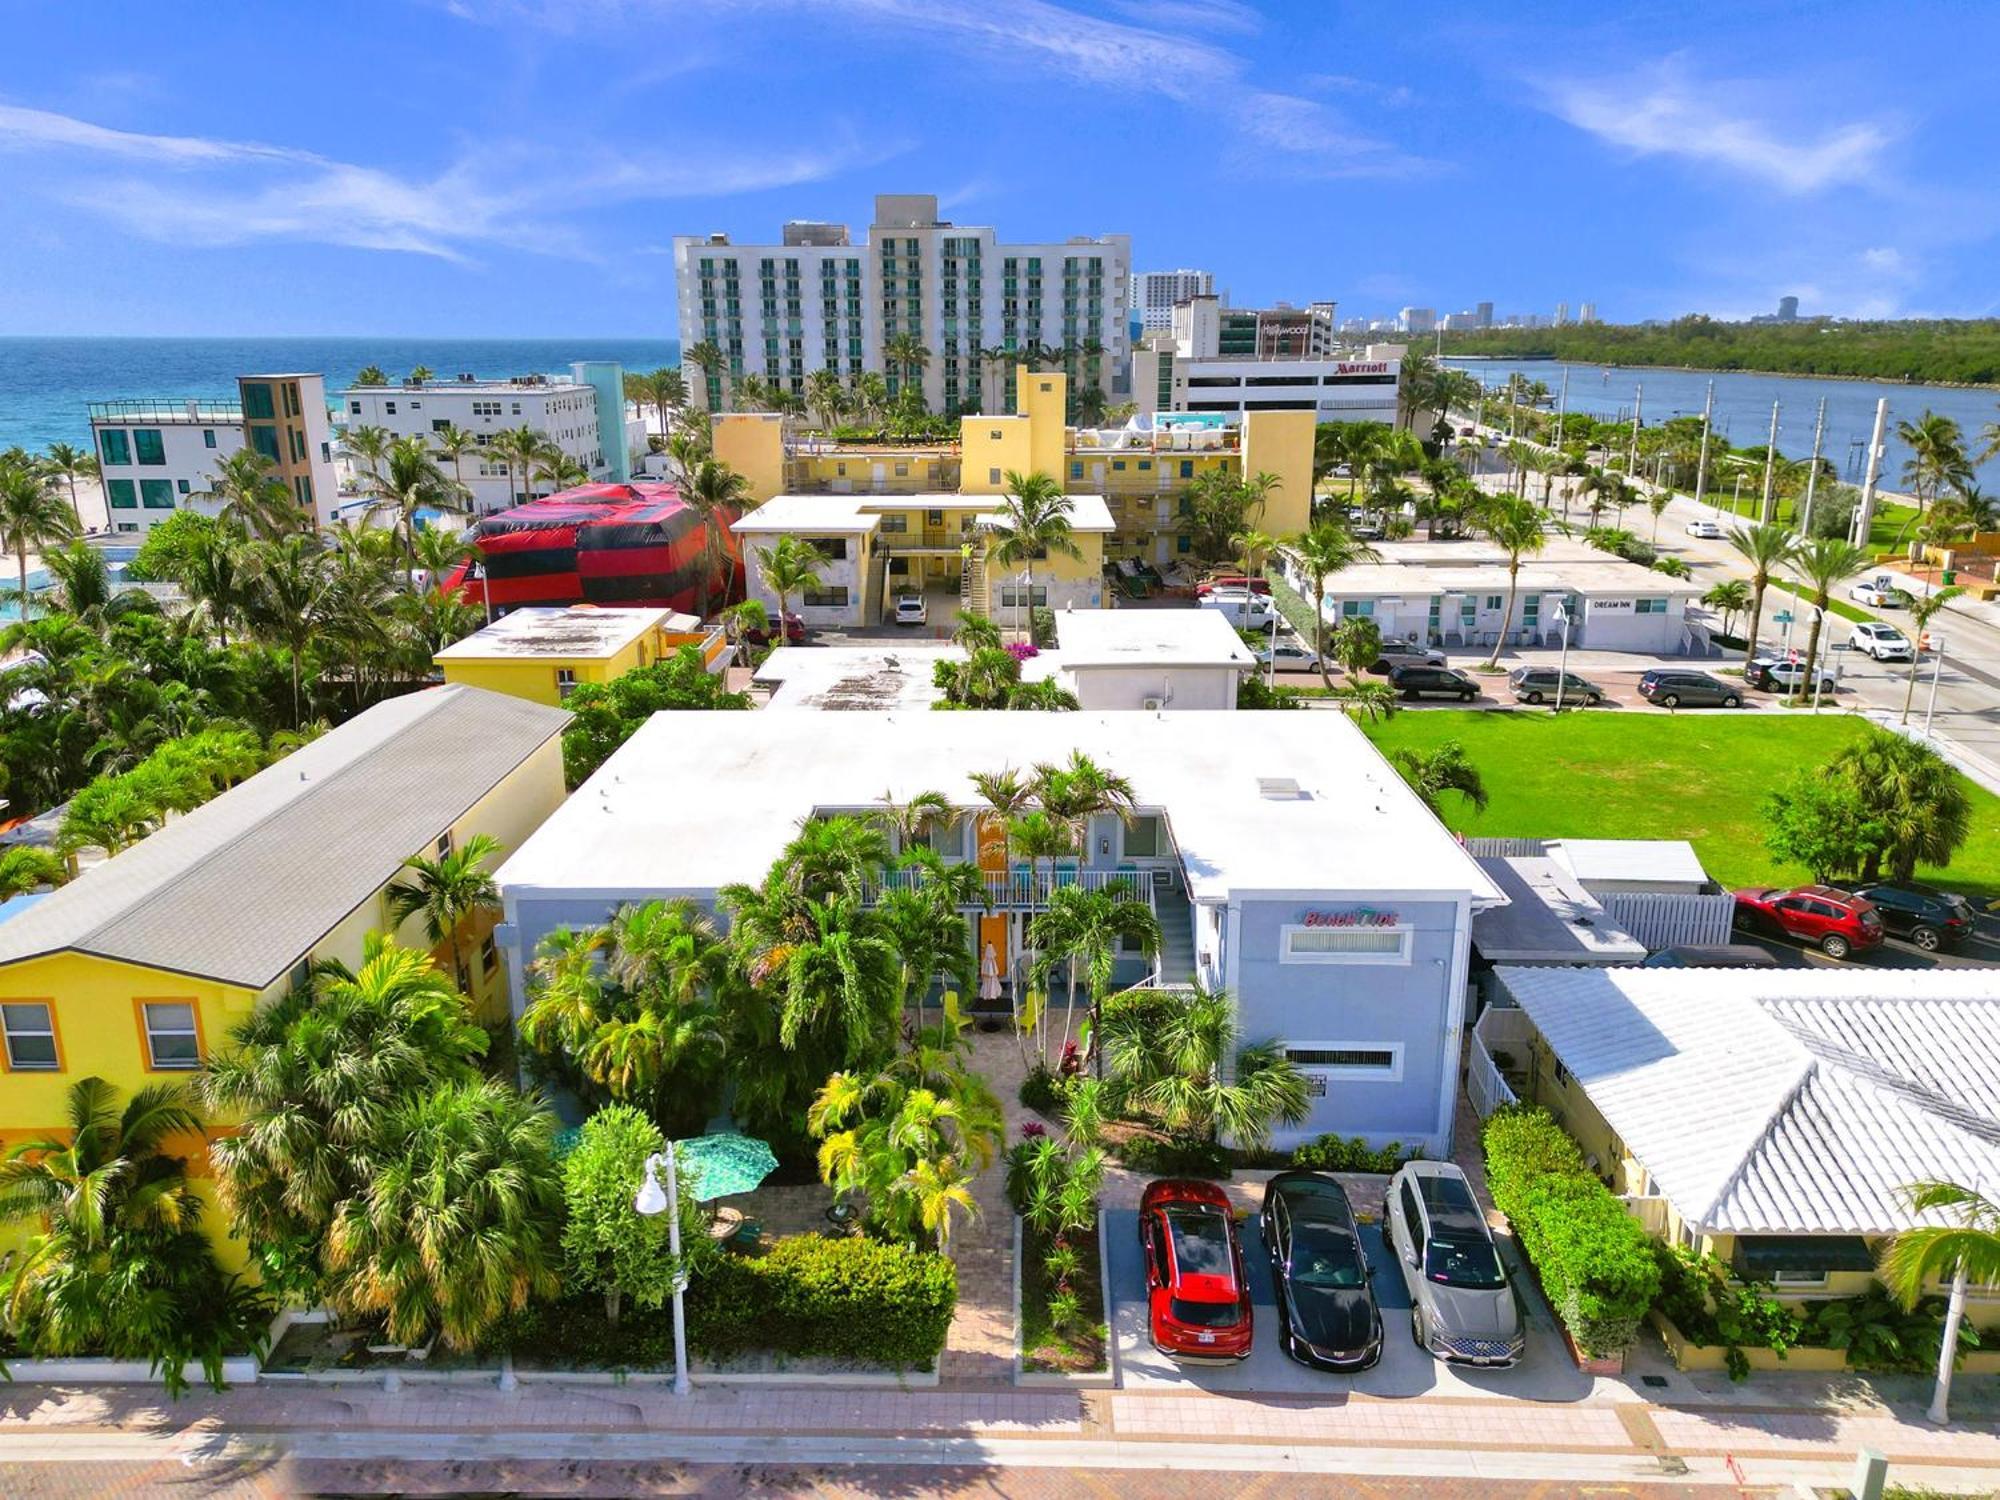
x,y
517,168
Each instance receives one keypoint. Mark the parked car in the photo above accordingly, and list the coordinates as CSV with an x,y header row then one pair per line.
x,y
1232,583
1197,1298
1880,592
911,610
1293,655
1921,914
795,632
1534,684
1671,688
1729,956
1883,642
1433,682
1326,1310
1462,1304
1708,529
1405,653
1837,922
1777,675
1246,611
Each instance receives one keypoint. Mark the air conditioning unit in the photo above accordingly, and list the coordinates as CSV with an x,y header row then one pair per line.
x,y
1152,705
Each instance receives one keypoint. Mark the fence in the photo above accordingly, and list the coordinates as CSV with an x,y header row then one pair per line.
x,y
1669,919
1505,848
1501,1029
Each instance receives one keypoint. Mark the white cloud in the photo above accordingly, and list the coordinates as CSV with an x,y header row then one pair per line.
x,y
1665,114
223,192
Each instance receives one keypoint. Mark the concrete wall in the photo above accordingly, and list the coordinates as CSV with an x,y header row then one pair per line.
x,y
1281,443
1129,687
1614,624
993,447
753,444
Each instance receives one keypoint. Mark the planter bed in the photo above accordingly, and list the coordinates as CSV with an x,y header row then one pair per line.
x,y
237,1369
1045,1355
1801,1359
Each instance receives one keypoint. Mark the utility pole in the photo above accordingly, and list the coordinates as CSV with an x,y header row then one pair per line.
x,y
1562,406
1701,464
1770,511
1812,475
1638,407
1864,513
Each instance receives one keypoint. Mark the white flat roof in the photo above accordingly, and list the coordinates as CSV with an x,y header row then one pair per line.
x,y
875,678
863,512
1548,918
576,631
1608,577
1472,551
1149,637
1669,860
697,800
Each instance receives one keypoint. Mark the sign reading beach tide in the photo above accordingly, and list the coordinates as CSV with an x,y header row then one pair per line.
x,y
1361,916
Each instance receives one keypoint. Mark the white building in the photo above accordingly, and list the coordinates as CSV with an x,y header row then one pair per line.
x,y
1287,862
1154,294
1340,390
819,302
1416,320
1149,660
157,457
573,413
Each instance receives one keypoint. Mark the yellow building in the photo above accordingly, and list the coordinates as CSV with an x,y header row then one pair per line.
x,y
1131,490
1769,1117
136,971
544,655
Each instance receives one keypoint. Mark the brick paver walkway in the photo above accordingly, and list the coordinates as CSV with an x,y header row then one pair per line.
x,y
980,1348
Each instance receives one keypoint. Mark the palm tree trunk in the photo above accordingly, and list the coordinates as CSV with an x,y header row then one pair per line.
x,y
1069,1012
21,556
1319,629
1507,614
1805,687
75,509
1758,585
1954,1315
1910,689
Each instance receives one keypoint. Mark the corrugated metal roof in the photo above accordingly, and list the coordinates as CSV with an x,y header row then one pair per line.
x,y
241,888
1784,1101
1670,860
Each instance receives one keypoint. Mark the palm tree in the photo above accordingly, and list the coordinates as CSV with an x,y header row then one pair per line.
x,y
844,976
420,373
707,357
1254,547
253,500
1515,526
412,482
455,1226
1180,1060
368,447
1967,1251
111,1171
1086,930
1729,598
1446,768
1044,695
288,600
1327,549
1766,549
83,586
906,1141
371,375
1937,457
32,519
825,395
449,891
1912,796
1820,565
718,494
790,565
518,447
25,868
70,464
1034,523
454,443
1922,612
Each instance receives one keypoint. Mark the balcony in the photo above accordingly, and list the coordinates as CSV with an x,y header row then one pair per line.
x,y
1023,889
192,412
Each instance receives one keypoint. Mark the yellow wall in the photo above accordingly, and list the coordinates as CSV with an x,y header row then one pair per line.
x,y
1281,443
994,447
534,678
753,444
1043,398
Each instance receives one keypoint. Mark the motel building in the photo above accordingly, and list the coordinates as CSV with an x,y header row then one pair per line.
x,y
1285,859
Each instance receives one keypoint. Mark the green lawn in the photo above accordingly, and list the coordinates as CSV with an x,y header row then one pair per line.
x,y
1644,774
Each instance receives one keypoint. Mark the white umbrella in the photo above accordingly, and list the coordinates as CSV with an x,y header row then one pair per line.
x,y
989,975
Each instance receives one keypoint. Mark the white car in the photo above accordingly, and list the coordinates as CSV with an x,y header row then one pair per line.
x,y
1879,592
1707,529
1246,611
1883,642
1293,654
911,610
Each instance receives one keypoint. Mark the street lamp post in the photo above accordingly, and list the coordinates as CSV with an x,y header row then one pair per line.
x,y
1937,670
1562,666
652,1200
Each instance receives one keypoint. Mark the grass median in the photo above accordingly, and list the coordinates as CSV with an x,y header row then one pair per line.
x,y
1645,774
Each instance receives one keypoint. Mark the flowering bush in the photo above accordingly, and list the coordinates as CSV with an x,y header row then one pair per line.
x,y
1022,650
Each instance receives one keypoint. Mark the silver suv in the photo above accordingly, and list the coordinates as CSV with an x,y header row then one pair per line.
x,y
1462,1304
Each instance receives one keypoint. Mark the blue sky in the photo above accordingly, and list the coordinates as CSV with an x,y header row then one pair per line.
x,y
518,167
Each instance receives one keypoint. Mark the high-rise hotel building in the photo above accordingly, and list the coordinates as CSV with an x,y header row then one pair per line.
x,y
818,301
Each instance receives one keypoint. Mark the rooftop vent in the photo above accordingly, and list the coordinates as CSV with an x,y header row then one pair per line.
x,y
1279,789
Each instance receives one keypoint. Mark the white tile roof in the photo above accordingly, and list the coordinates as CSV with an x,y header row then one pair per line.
x,y
242,887
1784,1101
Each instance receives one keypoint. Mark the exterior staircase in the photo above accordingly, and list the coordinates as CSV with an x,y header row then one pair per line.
x,y
1176,919
973,595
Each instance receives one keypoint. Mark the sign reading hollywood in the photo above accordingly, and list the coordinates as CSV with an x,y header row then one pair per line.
x,y
1360,916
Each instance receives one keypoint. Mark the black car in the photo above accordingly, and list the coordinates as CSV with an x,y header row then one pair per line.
x,y
1326,1310
1433,682
1922,914
1539,684
1675,689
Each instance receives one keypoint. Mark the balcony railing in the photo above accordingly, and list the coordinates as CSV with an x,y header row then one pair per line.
x,y
196,411
1022,888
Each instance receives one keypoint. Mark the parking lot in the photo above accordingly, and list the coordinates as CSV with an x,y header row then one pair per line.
x,y
1546,1373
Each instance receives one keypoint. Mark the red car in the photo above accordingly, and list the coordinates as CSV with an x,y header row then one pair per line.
x,y
1837,922
1198,1302
1231,581
795,633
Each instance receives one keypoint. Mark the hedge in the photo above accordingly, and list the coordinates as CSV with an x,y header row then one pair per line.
x,y
1595,1260
850,1298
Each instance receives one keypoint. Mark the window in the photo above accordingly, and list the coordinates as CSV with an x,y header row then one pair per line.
x,y
208,437
264,439
1017,597
833,598
257,400
31,1036
1301,944
1496,601
115,446
832,548
1350,608
1413,1219
489,957
1798,1278
565,682
993,475
389,407
122,494
148,447
171,1038
897,523
1649,607
156,494
1143,838
1363,1062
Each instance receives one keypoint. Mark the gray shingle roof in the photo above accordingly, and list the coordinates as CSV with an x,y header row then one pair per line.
x,y
240,889
1784,1101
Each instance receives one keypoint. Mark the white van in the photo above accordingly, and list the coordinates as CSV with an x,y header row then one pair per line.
x,y
1241,608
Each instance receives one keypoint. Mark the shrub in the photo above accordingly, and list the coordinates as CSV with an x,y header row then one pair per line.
x,y
1176,1156
1042,625
810,1297
1879,1333
1042,1091
1710,1306
1595,1261
1333,1153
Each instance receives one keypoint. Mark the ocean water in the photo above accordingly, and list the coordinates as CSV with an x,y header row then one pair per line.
x,y
1743,408
47,383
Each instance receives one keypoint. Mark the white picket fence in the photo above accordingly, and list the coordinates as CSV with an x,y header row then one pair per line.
x,y
1670,919
1503,1029
1483,848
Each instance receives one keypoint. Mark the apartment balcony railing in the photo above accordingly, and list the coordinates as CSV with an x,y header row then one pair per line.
x,y
204,413
1022,889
